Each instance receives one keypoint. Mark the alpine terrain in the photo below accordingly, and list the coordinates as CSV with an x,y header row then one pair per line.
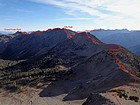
x,y
63,67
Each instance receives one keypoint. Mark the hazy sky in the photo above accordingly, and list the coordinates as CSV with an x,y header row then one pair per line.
x,y
81,14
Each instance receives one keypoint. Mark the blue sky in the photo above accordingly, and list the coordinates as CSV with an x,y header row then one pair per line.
x,y
81,14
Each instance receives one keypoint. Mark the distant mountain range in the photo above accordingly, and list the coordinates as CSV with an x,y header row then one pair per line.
x,y
126,38
135,49
5,39
6,32
101,33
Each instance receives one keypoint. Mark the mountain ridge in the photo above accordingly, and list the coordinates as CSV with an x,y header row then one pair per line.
x,y
126,38
72,55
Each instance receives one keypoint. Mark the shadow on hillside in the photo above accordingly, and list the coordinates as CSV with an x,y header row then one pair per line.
x,y
75,91
57,88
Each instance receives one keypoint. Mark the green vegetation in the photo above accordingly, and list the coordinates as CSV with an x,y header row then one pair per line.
x,y
138,74
34,77
134,98
122,93
112,91
12,88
